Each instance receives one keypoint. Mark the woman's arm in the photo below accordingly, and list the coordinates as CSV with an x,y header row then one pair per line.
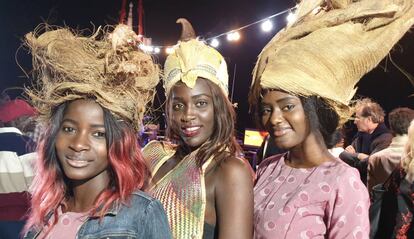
x,y
234,199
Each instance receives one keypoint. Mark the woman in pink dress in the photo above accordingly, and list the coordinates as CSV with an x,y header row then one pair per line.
x,y
302,85
307,192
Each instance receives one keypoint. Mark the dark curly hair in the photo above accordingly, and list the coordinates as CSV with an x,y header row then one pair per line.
x,y
399,120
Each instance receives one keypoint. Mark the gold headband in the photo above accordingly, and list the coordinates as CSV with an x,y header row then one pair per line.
x,y
192,59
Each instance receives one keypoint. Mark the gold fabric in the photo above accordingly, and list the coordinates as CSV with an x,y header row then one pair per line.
x,y
182,191
113,71
330,47
192,59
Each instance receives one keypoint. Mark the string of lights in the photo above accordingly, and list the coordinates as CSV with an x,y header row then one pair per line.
x,y
232,35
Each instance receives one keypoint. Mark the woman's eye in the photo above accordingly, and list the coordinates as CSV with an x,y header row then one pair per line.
x,y
177,107
99,134
67,129
265,111
201,103
288,107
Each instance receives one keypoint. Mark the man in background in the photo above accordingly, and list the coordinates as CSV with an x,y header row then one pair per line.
x,y
382,163
372,136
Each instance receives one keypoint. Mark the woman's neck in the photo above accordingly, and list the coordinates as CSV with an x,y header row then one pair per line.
x,y
311,153
85,193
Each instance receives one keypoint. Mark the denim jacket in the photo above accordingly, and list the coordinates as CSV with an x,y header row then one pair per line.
x,y
143,217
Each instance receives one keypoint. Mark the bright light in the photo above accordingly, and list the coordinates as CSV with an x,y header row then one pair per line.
x,y
142,47
233,36
214,43
169,50
146,48
157,50
267,26
291,18
236,36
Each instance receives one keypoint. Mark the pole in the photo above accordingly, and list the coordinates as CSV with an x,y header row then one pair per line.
x,y
140,14
122,13
233,83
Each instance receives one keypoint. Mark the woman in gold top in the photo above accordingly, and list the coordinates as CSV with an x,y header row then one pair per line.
x,y
204,187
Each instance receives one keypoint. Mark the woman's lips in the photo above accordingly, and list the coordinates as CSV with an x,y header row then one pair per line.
x,y
281,132
77,162
191,131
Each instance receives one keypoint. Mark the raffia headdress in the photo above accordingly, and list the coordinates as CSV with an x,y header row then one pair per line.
x,y
113,71
191,59
330,47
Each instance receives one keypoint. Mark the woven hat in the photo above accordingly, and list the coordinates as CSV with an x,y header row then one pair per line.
x,y
191,59
330,47
112,70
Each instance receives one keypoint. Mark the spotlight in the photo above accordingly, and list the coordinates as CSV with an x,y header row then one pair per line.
x,y
233,36
169,50
214,43
267,26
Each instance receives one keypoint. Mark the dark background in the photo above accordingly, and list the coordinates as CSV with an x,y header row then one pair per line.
x,y
385,84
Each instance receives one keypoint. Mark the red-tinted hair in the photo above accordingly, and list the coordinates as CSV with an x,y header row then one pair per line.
x,y
49,189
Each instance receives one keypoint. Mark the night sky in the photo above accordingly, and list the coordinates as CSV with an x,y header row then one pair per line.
x,y
385,84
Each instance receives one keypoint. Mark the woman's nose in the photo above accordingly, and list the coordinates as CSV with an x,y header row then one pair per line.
x,y
276,117
188,114
80,142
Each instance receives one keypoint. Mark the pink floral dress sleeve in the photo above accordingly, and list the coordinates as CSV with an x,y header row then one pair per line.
x,y
348,208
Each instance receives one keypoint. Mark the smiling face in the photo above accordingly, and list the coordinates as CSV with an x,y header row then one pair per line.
x,y
284,118
192,113
81,143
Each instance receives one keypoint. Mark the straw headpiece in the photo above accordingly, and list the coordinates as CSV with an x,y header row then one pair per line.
x,y
112,70
330,47
192,59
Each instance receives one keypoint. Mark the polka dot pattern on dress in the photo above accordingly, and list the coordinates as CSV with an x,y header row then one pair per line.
x,y
285,210
357,233
342,221
324,186
269,226
359,208
325,200
291,179
270,205
281,179
354,183
306,234
304,196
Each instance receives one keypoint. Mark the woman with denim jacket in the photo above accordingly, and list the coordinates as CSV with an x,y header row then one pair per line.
x,y
92,95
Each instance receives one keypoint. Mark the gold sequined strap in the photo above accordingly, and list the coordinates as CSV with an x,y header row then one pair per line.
x,y
156,153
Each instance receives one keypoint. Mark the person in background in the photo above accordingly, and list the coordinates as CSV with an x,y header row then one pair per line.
x,y
16,166
397,209
205,188
91,93
302,86
372,136
382,163
338,148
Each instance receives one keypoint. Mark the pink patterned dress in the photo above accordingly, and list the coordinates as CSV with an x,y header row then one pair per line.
x,y
327,201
